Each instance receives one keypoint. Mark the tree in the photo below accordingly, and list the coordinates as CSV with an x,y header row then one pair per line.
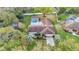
x,y
11,39
74,10
67,45
21,27
7,17
61,10
44,10
18,11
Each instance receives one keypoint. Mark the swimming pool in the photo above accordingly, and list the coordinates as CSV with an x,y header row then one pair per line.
x,y
34,20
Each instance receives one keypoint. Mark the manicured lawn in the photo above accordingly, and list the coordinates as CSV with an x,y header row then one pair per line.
x,y
27,20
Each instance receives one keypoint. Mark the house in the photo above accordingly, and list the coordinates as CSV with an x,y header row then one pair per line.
x,y
72,25
42,25
70,20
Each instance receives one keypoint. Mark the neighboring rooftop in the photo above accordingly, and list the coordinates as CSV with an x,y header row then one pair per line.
x,y
71,24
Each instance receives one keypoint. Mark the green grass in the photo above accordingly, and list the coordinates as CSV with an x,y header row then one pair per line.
x,y
27,20
65,35
31,46
63,17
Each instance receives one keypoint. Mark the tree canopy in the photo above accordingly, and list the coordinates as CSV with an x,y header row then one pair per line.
x,y
7,17
43,9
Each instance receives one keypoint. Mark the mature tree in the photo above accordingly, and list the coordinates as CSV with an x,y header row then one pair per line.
x,y
61,10
7,17
18,11
44,10
74,10
12,39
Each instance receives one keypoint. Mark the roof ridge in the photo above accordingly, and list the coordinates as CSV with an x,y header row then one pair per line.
x,y
46,29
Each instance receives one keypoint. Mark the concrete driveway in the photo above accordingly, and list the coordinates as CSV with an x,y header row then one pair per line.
x,y
50,41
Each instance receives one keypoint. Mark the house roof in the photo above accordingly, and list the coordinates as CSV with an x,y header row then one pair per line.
x,y
36,28
42,29
71,26
46,21
70,19
71,23
74,26
48,30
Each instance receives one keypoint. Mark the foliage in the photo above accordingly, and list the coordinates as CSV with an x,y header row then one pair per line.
x,y
67,45
44,10
10,33
18,11
26,20
68,10
63,17
11,39
74,10
31,46
21,26
7,17
61,10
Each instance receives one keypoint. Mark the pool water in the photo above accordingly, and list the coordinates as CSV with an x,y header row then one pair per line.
x,y
35,20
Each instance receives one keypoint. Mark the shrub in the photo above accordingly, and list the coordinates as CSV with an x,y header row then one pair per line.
x,y
31,46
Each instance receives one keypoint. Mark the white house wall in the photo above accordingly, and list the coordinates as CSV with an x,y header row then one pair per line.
x,y
50,41
49,35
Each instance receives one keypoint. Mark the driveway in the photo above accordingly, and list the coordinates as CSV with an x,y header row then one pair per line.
x,y
50,41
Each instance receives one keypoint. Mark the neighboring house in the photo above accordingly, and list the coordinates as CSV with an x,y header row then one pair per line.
x,y
72,25
70,20
42,26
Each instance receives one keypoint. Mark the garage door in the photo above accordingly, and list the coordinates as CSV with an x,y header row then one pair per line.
x,y
50,41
